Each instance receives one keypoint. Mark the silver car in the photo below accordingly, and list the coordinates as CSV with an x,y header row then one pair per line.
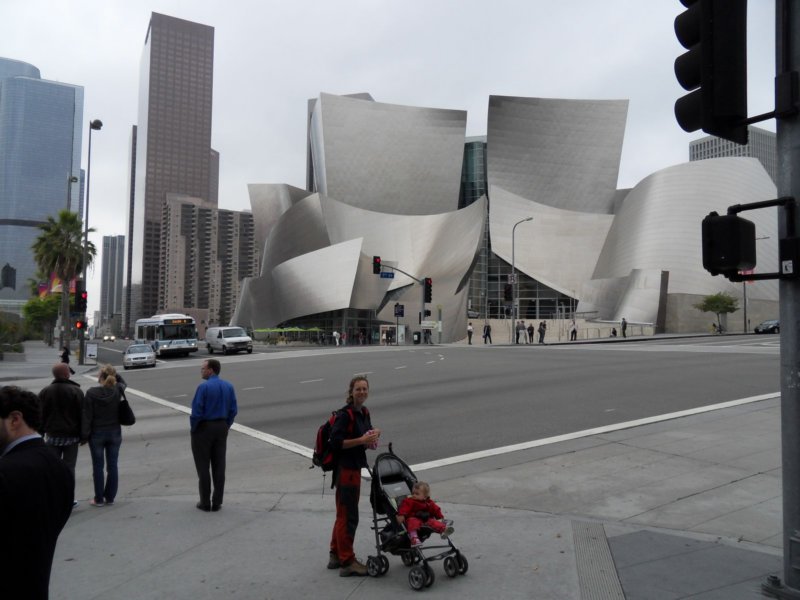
x,y
138,355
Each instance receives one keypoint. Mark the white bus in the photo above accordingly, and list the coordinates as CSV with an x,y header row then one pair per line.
x,y
168,334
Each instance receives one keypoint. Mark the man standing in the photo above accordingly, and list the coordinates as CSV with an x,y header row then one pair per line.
x,y
520,329
487,333
213,410
62,407
573,331
36,494
469,334
624,327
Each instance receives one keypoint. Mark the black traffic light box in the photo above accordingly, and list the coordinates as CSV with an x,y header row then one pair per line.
x,y
729,244
428,285
714,69
376,265
508,292
81,296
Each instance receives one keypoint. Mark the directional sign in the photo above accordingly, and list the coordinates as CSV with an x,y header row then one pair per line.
x,y
399,310
387,274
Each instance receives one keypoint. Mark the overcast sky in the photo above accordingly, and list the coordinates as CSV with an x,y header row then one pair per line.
x,y
271,57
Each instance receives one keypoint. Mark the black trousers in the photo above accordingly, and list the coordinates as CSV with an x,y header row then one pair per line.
x,y
209,444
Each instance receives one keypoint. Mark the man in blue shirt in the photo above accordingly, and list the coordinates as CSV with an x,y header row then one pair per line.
x,y
213,411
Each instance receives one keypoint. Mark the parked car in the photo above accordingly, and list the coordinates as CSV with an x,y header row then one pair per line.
x,y
771,326
138,355
228,339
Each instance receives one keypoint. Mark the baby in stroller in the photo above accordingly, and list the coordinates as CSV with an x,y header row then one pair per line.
x,y
418,509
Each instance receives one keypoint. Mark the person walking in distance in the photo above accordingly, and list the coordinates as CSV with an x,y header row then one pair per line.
x,y
487,333
36,494
352,433
62,410
624,327
573,331
213,411
65,359
469,334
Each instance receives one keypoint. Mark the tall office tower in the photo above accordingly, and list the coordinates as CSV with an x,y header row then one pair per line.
x,y
173,144
207,252
113,262
40,153
762,145
127,326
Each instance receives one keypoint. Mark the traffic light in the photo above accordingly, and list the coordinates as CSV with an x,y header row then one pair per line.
x,y
428,285
714,69
729,244
508,292
427,312
376,265
80,325
80,296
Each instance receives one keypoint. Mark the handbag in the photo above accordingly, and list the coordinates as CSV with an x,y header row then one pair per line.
x,y
126,416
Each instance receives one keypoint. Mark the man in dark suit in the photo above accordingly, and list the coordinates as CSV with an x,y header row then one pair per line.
x,y
36,494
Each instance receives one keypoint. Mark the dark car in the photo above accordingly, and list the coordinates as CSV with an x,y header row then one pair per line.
x,y
772,326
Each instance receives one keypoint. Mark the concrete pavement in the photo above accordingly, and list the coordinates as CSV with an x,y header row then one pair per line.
x,y
684,508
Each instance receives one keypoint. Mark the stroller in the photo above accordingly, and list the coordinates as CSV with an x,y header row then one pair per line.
x,y
392,480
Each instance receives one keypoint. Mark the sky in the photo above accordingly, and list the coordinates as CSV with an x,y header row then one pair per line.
x,y
272,56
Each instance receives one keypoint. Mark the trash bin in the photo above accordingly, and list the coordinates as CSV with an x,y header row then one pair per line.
x,y
417,337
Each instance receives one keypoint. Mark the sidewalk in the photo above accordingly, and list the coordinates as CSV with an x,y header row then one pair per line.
x,y
687,508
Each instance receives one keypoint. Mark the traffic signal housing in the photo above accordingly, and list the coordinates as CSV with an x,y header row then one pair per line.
x,y
80,297
508,292
714,69
80,325
428,286
729,244
376,265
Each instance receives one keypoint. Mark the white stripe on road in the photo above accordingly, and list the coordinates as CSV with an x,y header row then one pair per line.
x,y
258,387
402,367
307,452
312,380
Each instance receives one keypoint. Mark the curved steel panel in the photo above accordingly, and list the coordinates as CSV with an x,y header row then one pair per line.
x,y
299,230
268,201
560,153
385,157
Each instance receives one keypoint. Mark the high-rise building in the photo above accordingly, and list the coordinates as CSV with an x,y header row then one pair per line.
x,y
173,144
40,174
761,145
206,254
113,261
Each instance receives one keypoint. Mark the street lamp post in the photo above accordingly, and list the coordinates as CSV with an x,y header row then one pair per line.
x,y
97,124
514,288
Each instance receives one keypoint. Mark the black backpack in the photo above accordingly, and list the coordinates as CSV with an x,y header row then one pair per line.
x,y
324,456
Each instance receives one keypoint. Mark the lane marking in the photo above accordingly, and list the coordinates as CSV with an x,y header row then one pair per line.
x,y
258,387
312,380
430,362
402,367
181,396
307,452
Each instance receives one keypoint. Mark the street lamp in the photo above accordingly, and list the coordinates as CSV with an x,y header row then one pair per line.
x,y
96,124
70,180
514,289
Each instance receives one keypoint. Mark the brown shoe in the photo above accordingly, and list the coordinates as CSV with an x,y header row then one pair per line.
x,y
354,568
333,561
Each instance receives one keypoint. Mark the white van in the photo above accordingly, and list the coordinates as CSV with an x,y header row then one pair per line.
x,y
228,339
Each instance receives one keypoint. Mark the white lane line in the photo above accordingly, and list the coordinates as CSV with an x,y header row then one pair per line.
x,y
181,396
312,380
587,433
430,362
307,452
402,367
258,387
259,435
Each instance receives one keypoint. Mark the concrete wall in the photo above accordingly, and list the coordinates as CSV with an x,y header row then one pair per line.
x,y
683,317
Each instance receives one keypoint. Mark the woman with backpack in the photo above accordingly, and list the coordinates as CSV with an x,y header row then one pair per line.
x,y
351,435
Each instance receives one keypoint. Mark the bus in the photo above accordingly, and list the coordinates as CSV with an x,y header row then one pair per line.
x,y
171,334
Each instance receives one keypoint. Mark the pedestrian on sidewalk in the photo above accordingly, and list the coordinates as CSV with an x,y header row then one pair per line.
x,y
350,437
65,359
573,331
101,427
487,333
213,411
36,494
520,330
542,331
530,333
62,415
469,334
624,327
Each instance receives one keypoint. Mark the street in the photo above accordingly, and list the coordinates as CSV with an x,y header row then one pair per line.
x,y
435,402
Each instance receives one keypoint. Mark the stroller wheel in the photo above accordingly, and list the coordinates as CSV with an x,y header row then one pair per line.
x,y
450,566
430,576
417,578
384,563
408,558
463,565
374,566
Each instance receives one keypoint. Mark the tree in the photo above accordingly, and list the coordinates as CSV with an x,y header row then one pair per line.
x,y
41,314
719,304
59,250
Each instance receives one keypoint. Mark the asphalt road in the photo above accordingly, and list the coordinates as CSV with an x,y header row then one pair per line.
x,y
438,402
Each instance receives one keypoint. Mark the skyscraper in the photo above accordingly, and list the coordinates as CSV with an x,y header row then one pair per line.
x,y
40,150
113,261
173,143
762,145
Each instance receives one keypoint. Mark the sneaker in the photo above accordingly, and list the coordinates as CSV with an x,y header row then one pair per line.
x,y
415,541
448,531
354,568
98,504
109,502
333,561
74,503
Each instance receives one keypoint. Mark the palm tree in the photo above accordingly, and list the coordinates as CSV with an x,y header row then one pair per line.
x,y
59,250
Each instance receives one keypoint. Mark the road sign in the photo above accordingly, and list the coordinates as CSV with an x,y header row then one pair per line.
x,y
387,274
399,310
429,324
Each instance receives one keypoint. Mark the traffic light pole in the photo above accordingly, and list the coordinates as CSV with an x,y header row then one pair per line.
x,y
422,284
787,16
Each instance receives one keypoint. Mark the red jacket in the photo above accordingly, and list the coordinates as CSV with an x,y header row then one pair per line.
x,y
410,507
